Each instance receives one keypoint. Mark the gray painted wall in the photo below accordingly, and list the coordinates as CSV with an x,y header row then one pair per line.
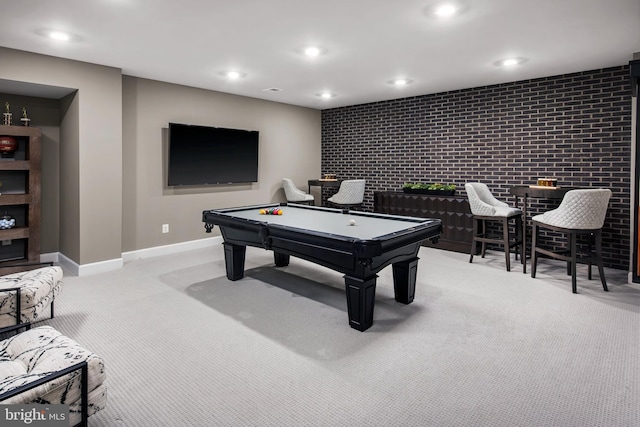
x,y
105,170
289,147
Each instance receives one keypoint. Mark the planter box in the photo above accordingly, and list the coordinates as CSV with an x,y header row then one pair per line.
x,y
429,192
454,211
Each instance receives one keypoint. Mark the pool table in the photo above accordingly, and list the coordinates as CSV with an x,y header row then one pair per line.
x,y
327,237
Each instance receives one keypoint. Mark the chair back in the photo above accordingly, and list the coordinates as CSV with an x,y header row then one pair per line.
x,y
293,193
481,200
351,192
583,209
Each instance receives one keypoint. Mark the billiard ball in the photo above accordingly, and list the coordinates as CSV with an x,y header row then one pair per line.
x,y
352,222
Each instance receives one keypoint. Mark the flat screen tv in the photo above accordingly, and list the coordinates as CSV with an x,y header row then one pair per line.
x,y
203,155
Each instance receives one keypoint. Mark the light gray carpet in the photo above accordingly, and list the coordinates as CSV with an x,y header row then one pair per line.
x,y
478,347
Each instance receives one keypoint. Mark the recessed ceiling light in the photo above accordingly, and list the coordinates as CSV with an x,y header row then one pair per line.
x,y
312,51
233,74
59,35
400,82
326,95
510,62
445,10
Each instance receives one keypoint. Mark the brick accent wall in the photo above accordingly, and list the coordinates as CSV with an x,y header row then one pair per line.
x,y
574,127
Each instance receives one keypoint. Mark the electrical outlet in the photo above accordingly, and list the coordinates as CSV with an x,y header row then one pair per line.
x,y
165,228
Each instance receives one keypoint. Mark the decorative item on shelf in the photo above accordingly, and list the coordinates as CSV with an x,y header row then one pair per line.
x,y
435,189
8,146
329,176
7,221
6,115
25,120
547,182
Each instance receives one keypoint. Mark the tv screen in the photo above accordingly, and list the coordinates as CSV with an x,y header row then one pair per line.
x,y
203,155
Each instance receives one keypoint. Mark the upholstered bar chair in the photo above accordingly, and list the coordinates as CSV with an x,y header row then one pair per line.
x,y
487,209
581,213
349,195
294,194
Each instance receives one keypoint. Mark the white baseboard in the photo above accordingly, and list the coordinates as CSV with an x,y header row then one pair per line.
x,y
88,269
171,249
51,257
114,264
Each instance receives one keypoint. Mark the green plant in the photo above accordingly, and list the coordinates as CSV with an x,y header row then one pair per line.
x,y
444,187
431,186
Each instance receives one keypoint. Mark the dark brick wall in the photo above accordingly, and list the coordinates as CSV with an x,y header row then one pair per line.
x,y
575,127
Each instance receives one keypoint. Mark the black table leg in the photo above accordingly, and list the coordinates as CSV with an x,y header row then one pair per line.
x,y
404,280
281,260
361,295
234,260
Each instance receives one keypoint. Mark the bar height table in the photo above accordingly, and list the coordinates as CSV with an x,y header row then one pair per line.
x,y
526,191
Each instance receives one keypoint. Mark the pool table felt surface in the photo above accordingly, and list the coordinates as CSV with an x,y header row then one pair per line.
x,y
331,221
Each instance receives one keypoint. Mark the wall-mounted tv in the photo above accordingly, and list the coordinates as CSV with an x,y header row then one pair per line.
x,y
204,155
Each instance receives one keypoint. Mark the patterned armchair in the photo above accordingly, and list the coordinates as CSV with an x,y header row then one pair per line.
x,y
580,214
349,195
487,209
42,366
294,194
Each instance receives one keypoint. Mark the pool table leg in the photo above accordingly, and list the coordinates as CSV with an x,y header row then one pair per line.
x,y
404,280
361,295
281,260
234,260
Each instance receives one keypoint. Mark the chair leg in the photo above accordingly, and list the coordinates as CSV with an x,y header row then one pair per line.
x,y
483,232
534,258
589,252
507,248
598,237
570,253
520,244
474,241
574,255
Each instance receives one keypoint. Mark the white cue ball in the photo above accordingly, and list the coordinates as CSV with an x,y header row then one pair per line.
x,y
352,222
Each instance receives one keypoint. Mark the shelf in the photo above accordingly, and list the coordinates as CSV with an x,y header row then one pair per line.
x,y
15,165
14,199
14,233
19,131
20,197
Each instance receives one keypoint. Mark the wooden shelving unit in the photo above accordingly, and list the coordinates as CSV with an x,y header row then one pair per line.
x,y
20,196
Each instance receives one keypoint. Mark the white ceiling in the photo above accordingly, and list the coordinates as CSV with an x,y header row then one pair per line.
x,y
367,42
